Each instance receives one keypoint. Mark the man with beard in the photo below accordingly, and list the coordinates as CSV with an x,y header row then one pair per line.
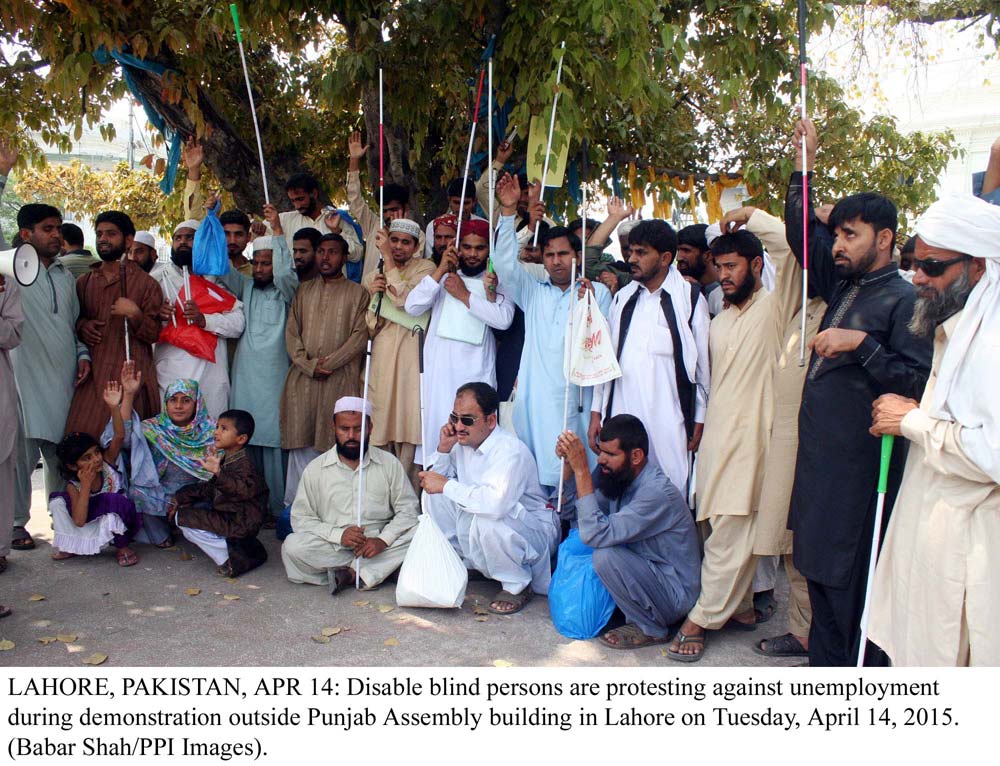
x,y
49,363
459,205
864,349
395,204
236,225
261,360
744,344
644,539
173,363
328,542
937,585
325,336
659,325
143,251
445,231
459,346
304,244
394,389
483,494
695,264
74,256
114,292
539,415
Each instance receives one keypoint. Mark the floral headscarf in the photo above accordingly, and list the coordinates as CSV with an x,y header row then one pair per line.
x,y
184,446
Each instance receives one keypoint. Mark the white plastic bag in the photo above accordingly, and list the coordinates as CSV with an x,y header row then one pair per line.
x,y
432,574
590,356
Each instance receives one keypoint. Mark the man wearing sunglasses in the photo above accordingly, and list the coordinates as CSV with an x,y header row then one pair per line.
x,y
483,492
864,349
937,586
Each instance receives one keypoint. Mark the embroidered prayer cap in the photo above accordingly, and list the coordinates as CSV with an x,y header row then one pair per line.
x,y
476,226
405,226
352,404
263,243
145,238
191,223
450,221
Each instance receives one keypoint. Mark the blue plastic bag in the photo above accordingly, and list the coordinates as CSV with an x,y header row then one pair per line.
x,y
579,603
209,254
284,526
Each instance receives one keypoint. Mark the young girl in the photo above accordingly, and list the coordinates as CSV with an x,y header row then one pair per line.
x,y
169,453
94,509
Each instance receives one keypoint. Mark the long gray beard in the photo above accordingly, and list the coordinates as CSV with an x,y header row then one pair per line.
x,y
929,312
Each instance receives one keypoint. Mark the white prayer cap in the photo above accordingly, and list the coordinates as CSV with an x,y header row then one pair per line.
x,y
263,243
145,238
962,223
405,226
625,227
190,223
352,404
712,233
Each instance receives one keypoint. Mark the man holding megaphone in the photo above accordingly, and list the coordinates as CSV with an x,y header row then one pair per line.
x,y
49,363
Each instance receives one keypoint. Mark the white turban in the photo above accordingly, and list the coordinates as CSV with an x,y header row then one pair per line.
x,y
965,391
405,226
352,404
190,223
144,238
625,227
263,243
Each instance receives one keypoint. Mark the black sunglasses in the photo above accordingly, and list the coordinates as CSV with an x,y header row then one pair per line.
x,y
935,268
465,420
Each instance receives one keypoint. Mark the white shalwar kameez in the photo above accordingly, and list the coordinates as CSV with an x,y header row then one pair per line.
x,y
648,386
448,363
174,363
494,512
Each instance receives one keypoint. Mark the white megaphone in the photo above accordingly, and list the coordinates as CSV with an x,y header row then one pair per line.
x,y
21,263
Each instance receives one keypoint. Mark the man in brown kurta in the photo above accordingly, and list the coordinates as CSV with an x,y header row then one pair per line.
x,y
111,293
394,387
326,335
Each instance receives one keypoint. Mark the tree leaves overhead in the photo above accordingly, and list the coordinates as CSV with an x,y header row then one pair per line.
x,y
694,86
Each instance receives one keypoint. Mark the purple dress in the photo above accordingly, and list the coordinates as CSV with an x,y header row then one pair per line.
x,y
110,498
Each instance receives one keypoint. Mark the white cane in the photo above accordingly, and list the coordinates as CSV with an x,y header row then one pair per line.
x,y
569,339
883,482
552,129
424,444
253,109
468,159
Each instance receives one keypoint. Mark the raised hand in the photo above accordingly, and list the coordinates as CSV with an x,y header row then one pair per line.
x,y
194,156
808,129
113,394
8,156
736,219
258,229
332,221
619,208
212,462
508,192
131,379
271,216
355,149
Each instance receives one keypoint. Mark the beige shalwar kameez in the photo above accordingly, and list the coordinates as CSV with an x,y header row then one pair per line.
x,y
744,344
936,598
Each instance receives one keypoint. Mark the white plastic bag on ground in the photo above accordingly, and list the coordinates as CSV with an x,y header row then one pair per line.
x,y
432,574
590,356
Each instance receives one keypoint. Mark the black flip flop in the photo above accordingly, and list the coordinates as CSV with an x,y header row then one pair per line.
x,y
780,646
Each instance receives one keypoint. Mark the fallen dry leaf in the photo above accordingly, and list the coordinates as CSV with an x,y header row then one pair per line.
x,y
391,642
231,579
482,619
476,609
231,597
185,556
254,587
321,639
502,664
66,638
96,659
192,591
6,645
46,640
36,597
385,608
663,653
361,603
331,631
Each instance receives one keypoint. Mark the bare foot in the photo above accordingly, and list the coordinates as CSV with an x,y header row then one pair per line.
x,y
62,556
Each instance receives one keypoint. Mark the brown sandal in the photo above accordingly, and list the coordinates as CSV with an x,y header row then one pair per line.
x,y
631,636
519,600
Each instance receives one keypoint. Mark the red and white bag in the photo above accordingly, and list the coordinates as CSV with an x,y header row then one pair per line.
x,y
590,355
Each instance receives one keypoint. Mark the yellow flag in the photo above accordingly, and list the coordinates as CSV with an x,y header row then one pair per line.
x,y
538,138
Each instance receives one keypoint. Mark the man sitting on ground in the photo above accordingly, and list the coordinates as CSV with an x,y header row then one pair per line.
x,y
483,493
327,539
644,539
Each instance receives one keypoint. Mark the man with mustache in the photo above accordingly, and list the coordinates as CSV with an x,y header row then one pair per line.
x,y
695,263
644,539
744,345
659,325
143,251
937,585
483,493
864,349
173,363
459,346
114,292
328,542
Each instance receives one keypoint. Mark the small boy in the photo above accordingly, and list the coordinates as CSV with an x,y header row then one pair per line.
x,y
223,515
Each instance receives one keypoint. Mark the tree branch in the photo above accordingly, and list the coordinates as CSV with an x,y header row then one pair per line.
x,y
20,67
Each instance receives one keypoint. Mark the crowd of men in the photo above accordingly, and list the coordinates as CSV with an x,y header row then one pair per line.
x,y
716,453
